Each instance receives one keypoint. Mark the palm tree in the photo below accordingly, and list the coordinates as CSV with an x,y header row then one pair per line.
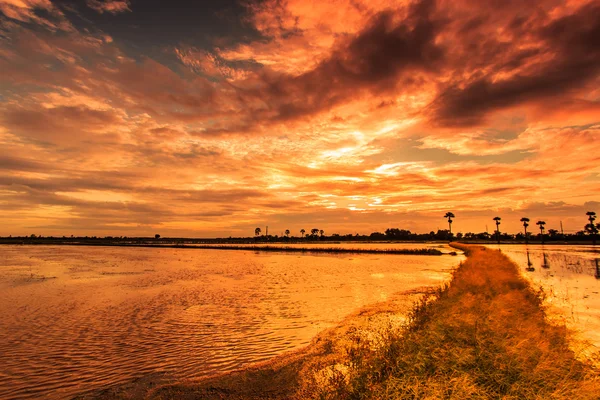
x,y
525,222
321,232
541,225
257,231
591,228
497,219
287,232
302,231
449,215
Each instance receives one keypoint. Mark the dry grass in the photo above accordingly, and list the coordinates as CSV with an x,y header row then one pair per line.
x,y
299,249
483,336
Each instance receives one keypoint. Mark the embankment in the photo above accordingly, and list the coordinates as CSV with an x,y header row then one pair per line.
x,y
483,336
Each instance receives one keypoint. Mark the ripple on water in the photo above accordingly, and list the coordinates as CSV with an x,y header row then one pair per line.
x,y
114,314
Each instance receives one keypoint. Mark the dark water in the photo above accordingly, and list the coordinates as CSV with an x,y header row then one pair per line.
x,y
75,319
570,277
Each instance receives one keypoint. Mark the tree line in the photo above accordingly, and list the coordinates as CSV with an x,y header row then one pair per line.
x,y
589,232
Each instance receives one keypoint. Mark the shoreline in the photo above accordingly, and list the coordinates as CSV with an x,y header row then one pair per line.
x,y
148,242
483,335
266,248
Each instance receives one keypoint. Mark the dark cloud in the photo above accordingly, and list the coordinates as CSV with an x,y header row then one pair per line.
x,y
570,52
148,26
11,163
63,124
388,53
109,6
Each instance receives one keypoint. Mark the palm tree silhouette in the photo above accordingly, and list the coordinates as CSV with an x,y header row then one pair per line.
x,y
302,231
591,228
321,232
497,219
541,225
591,216
525,222
257,232
449,215
287,232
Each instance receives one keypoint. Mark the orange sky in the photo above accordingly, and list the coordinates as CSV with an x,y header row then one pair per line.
x,y
343,115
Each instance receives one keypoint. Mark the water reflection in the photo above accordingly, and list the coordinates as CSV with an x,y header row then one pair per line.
x,y
529,263
110,315
570,278
545,264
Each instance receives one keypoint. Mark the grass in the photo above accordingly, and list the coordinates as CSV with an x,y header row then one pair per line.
x,y
338,250
483,336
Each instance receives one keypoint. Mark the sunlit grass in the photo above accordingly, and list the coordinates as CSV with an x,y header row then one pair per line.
x,y
298,249
484,336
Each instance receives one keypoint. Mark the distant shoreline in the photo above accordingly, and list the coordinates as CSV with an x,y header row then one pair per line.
x,y
206,243
248,247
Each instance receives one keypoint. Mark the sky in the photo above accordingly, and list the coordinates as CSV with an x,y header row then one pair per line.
x,y
214,117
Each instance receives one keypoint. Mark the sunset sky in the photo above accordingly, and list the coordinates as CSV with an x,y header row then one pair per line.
x,y
213,117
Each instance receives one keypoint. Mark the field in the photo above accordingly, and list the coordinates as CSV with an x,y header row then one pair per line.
x,y
483,336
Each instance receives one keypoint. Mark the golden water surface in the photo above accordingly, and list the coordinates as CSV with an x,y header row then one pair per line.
x,y
570,278
77,319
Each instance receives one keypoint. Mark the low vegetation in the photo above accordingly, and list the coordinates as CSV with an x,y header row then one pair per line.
x,y
298,249
483,336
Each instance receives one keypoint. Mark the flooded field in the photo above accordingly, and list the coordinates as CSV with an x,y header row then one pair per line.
x,y
382,246
570,277
76,319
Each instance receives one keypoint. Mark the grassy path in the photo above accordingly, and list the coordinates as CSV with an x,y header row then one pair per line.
x,y
484,336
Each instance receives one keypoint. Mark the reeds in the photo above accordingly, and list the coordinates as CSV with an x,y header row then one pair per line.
x,y
334,250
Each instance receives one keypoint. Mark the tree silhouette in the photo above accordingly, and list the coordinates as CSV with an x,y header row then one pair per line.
x,y
541,225
497,219
287,232
321,232
314,231
591,228
302,231
157,236
449,215
525,222
257,232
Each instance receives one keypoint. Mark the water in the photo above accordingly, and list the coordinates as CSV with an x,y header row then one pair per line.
x,y
570,278
351,245
75,319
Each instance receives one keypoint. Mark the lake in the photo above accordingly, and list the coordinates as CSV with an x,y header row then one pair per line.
x,y
570,278
75,319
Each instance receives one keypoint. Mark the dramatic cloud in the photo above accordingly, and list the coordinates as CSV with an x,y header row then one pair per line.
x,y
109,6
567,56
117,117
